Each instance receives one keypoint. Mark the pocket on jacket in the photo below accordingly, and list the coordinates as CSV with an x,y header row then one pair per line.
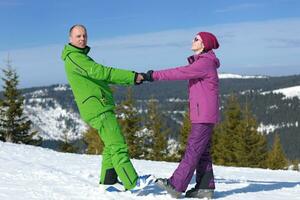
x,y
90,107
92,100
198,109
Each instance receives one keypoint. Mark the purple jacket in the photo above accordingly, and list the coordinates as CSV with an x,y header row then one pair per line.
x,y
203,85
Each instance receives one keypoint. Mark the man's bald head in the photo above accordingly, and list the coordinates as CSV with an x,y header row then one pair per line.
x,y
78,36
77,26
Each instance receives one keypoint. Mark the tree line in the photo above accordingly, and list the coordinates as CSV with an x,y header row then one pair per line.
x,y
236,141
270,109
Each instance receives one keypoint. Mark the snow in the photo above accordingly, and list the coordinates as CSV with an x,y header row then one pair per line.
x,y
289,92
53,120
49,118
268,128
61,87
28,172
176,100
237,76
38,93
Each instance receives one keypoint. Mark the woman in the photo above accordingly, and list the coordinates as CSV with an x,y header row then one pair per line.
x,y
204,113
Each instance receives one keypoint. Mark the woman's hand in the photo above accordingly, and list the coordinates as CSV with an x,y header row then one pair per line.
x,y
148,76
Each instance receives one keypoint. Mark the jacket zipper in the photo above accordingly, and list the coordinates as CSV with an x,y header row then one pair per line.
x,y
198,109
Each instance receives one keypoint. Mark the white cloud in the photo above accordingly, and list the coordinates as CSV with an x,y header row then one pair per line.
x,y
284,42
261,43
243,45
36,66
264,47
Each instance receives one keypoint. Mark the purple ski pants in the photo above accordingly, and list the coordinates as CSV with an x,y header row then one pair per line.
x,y
197,157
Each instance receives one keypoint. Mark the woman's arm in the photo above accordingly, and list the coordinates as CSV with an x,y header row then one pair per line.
x,y
196,70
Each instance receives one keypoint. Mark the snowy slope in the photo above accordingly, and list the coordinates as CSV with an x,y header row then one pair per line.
x,y
50,119
53,121
289,92
237,76
28,172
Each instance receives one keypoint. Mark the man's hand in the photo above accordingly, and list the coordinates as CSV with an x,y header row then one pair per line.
x,y
139,79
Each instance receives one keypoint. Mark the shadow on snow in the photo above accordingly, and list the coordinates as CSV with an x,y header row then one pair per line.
x,y
254,186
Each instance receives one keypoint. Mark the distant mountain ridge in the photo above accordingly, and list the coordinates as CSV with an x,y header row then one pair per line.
x,y
274,101
237,76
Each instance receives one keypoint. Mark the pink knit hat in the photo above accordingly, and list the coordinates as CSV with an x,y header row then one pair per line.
x,y
209,40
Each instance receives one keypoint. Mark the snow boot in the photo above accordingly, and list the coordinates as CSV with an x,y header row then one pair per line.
x,y
163,183
142,182
200,193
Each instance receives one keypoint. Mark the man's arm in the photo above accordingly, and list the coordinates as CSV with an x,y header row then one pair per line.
x,y
85,66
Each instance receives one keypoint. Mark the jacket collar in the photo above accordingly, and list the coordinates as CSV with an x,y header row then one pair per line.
x,y
195,57
84,50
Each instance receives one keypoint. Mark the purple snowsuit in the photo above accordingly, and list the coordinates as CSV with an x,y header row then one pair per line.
x,y
204,113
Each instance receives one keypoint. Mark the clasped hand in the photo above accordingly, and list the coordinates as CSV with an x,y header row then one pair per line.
x,y
141,77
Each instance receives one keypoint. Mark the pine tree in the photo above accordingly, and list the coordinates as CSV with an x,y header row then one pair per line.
x,y
218,145
66,146
156,142
236,141
93,141
224,151
130,123
251,151
184,133
14,125
276,158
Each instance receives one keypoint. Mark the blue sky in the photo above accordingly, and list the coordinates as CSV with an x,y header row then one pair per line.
x,y
256,37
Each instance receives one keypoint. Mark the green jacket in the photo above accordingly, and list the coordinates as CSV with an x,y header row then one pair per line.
x,y
89,81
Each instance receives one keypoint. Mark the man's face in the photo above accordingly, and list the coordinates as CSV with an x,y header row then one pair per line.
x,y
78,37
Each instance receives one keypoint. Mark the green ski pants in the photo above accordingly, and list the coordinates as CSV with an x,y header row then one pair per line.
x,y
115,157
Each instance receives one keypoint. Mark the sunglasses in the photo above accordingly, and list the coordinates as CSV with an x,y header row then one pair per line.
x,y
196,39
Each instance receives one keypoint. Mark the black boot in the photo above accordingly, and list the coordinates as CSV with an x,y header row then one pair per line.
x,y
200,193
111,177
163,183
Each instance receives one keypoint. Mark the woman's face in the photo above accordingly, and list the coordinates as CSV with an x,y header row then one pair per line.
x,y
197,44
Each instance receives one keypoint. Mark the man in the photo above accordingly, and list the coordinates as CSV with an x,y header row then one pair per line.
x,y
89,82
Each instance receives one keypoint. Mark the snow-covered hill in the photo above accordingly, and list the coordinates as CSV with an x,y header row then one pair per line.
x,y
237,76
52,121
54,114
289,92
28,172
55,121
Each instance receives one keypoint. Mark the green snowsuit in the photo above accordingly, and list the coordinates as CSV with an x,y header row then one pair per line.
x,y
89,82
